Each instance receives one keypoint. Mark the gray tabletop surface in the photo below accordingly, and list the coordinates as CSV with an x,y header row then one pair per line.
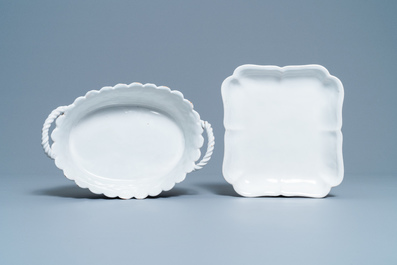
x,y
49,220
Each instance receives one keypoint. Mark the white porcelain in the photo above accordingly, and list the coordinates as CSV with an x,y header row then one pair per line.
x,y
283,130
127,141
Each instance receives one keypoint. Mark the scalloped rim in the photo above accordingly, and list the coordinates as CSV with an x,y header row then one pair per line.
x,y
282,71
126,192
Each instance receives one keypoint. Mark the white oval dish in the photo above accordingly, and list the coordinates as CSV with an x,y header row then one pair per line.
x,y
283,130
128,140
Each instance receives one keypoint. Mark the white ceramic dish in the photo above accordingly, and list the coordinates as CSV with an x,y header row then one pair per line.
x,y
283,130
128,140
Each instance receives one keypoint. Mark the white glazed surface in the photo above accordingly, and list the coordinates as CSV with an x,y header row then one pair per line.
x,y
283,130
128,141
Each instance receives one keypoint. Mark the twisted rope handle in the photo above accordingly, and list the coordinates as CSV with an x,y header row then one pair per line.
x,y
46,126
210,147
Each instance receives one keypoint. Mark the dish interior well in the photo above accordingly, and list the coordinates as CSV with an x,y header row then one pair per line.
x,y
126,142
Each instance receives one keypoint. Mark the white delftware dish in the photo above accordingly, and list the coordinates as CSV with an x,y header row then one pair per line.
x,y
128,140
283,130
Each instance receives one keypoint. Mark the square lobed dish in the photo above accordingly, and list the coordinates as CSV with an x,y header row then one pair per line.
x,y
283,130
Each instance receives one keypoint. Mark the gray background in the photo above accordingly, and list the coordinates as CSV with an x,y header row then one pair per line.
x,y
52,52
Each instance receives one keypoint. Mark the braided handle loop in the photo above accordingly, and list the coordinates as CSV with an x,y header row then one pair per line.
x,y
46,126
210,147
